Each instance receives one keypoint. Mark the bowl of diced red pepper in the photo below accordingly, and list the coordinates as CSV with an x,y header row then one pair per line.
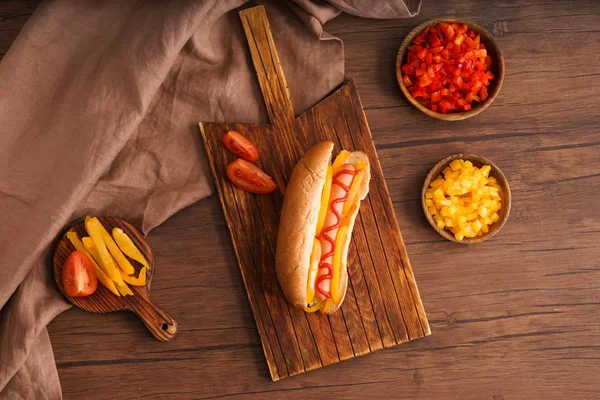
x,y
450,69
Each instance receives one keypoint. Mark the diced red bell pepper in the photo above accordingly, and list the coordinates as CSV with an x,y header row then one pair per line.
x,y
445,106
483,93
481,53
434,40
447,68
425,80
470,43
461,29
428,58
449,33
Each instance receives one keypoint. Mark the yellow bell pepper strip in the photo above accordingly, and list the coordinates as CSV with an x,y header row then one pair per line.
x,y
102,277
313,270
315,307
116,253
128,247
92,225
124,289
326,305
89,246
132,280
340,159
324,201
337,258
354,190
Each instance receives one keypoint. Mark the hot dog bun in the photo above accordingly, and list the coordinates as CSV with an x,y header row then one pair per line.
x,y
298,223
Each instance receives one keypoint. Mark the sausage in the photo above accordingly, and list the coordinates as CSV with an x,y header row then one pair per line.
x,y
331,226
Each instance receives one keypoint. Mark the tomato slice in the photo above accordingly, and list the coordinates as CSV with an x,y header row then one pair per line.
x,y
78,276
249,177
240,146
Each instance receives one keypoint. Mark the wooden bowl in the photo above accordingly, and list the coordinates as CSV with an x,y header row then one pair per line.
x,y
477,161
497,69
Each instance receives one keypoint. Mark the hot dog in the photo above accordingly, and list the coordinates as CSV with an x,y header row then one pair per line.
x,y
320,206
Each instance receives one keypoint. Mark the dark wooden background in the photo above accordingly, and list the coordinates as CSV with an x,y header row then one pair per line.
x,y
515,317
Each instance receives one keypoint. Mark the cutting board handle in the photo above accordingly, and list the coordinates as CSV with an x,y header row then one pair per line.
x,y
158,321
268,67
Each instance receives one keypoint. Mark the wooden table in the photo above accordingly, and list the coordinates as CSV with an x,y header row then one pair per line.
x,y
518,316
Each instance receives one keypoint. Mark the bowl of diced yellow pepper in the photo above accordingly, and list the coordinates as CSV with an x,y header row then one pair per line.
x,y
466,198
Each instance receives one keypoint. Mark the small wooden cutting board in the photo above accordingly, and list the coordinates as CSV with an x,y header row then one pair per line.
x,y
382,306
159,322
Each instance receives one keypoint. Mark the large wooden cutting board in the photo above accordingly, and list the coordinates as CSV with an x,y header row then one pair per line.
x,y
382,306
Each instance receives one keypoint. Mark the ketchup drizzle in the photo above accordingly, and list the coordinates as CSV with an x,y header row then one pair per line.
x,y
325,230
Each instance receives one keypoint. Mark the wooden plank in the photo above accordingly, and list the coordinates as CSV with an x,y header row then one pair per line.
x,y
380,309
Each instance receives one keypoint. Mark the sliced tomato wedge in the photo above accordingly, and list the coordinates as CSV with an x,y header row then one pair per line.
x,y
249,177
78,276
240,146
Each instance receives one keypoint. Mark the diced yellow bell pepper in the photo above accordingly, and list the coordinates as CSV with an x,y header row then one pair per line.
x,y
456,165
464,199
128,247
483,211
485,170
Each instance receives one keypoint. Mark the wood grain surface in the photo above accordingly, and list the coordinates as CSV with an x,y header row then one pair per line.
x,y
516,317
157,320
382,306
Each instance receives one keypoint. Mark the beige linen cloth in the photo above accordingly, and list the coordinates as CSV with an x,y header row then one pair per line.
x,y
99,104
